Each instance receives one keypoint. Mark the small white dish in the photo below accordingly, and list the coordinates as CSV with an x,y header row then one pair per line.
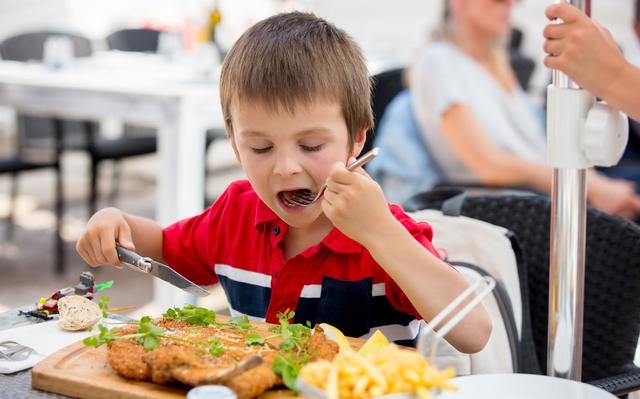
x,y
522,386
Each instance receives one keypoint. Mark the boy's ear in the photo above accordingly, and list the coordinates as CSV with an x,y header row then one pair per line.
x,y
358,144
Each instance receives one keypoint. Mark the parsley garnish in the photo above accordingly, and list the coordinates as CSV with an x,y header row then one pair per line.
x,y
215,348
147,334
192,314
103,304
288,369
293,348
240,322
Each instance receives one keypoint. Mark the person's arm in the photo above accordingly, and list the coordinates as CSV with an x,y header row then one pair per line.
x,y
587,53
111,226
356,205
497,167
491,164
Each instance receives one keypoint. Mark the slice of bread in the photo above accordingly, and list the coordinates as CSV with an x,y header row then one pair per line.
x,y
77,313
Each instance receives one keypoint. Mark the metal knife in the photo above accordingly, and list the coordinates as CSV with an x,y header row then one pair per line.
x,y
163,272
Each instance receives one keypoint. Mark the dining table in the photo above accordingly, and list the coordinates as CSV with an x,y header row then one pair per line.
x,y
181,100
18,385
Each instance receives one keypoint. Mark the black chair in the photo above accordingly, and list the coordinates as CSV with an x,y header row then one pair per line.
x,y
136,40
20,161
146,41
386,85
522,65
612,278
77,135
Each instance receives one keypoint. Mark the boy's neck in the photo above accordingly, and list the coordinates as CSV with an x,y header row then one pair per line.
x,y
297,239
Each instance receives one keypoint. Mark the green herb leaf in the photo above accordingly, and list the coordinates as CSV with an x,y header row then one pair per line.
x,y
255,339
215,348
240,322
151,342
288,370
192,314
103,304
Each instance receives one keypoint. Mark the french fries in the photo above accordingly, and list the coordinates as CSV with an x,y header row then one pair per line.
x,y
389,369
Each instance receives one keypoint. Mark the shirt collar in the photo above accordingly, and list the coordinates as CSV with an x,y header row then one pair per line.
x,y
264,215
336,241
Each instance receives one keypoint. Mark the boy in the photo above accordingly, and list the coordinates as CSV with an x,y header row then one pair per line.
x,y
296,99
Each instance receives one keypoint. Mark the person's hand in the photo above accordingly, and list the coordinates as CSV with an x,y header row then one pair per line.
x,y
582,49
355,203
615,196
97,245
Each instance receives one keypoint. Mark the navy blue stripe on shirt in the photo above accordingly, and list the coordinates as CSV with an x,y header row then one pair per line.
x,y
384,313
357,308
249,299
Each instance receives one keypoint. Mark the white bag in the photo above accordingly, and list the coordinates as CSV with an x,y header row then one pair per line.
x,y
477,248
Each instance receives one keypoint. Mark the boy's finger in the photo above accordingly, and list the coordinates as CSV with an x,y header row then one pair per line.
x,y
103,243
93,257
566,12
109,251
84,255
339,174
123,235
362,172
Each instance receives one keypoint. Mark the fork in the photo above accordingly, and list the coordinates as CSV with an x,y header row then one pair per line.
x,y
14,351
306,197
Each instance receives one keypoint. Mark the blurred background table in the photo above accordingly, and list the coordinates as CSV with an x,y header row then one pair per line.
x,y
179,102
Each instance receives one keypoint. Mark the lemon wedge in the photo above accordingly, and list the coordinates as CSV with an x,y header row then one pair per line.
x,y
335,335
375,342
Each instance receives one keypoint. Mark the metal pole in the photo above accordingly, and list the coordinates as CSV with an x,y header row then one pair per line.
x,y
566,264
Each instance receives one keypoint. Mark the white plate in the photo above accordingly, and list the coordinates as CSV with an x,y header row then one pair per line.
x,y
522,386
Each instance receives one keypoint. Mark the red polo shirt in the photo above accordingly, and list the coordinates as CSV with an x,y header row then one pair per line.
x,y
237,240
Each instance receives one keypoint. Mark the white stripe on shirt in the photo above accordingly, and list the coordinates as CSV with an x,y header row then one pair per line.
x,y
315,290
243,276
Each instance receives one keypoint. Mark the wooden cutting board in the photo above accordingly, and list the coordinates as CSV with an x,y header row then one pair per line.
x,y
81,371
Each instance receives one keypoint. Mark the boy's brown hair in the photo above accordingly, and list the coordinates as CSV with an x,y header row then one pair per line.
x,y
293,59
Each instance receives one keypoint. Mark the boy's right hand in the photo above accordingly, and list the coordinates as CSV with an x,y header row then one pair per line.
x,y
105,229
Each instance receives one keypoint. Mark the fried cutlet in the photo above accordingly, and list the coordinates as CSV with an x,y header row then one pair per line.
x,y
178,360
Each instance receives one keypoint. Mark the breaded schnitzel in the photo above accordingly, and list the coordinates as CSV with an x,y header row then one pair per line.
x,y
184,355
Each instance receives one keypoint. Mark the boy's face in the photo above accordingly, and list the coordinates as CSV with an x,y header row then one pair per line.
x,y
282,151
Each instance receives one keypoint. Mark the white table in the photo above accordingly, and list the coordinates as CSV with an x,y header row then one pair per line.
x,y
181,110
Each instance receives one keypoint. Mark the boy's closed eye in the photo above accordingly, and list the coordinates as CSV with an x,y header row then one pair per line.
x,y
311,148
261,150
307,148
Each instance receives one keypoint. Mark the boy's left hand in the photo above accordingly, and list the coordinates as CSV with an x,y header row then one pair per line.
x,y
355,203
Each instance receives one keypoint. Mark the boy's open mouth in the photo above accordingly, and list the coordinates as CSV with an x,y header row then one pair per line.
x,y
288,198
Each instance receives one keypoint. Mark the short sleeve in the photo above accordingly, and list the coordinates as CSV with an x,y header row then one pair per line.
x,y
423,233
437,80
191,246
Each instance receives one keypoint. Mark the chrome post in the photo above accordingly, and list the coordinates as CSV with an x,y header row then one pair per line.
x,y
567,253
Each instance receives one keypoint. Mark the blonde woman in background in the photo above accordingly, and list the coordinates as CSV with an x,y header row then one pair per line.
x,y
478,123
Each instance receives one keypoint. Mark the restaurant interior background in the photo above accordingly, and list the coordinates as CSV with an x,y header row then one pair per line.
x,y
389,32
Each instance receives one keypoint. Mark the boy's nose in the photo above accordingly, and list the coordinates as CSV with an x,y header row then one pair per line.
x,y
286,165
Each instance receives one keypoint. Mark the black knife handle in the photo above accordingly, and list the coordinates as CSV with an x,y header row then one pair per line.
x,y
131,258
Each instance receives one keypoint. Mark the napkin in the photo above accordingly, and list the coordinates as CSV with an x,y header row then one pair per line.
x,y
46,338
